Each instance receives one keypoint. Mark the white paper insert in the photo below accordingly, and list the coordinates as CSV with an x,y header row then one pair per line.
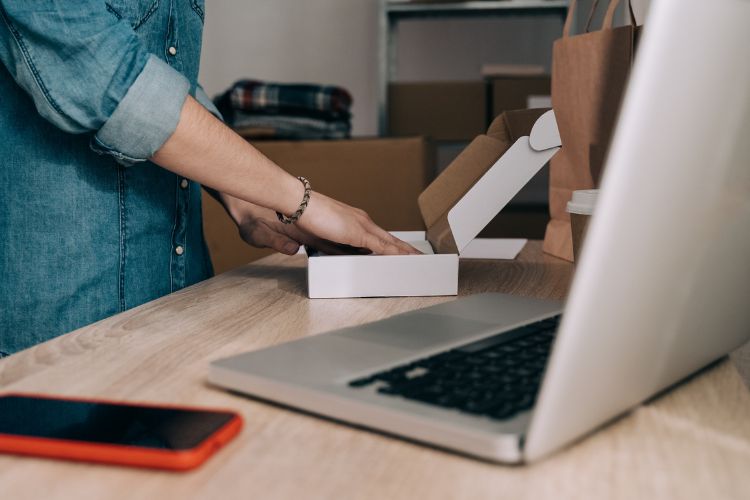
x,y
495,189
479,248
504,180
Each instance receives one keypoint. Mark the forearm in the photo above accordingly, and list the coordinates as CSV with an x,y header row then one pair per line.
x,y
202,148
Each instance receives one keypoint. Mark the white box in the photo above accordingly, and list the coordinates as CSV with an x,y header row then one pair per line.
x,y
339,276
455,207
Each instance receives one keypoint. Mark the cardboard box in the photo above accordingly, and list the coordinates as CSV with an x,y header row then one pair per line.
x,y
421,275
381,176
455,208
444,111
345,276
518,92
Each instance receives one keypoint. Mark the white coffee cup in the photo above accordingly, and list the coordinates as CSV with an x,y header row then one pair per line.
x,y
580,208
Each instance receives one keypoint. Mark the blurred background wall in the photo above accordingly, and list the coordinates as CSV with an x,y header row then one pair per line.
x,y
335,41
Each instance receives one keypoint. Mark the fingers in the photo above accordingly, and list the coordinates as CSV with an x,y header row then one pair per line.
x,y
391,244
320,244
284,244
350,250
388,245
405,247
326,247
280,242
379,245
261,235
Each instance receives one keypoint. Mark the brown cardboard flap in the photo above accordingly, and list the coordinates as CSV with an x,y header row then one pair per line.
x,y
458,178
441,238
512,125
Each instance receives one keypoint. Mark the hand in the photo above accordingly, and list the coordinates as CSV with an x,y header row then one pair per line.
x,y
261,228
332,220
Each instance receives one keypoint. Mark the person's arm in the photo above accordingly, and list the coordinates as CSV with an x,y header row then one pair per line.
x,y
260,227
202,148
87,72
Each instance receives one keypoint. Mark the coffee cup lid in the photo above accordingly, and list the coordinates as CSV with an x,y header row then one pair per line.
x,y
583,202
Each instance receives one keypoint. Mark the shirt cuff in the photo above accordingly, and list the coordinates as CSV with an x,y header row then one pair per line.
x,y
205,101
146,117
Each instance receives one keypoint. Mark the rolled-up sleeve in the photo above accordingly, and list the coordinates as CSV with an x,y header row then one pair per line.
x,y
87,72
146,116
206,102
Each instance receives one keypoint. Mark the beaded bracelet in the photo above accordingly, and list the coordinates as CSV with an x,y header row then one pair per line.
x,y
302,206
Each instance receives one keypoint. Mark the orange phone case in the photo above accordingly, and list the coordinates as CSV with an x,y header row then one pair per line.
x,y
134,456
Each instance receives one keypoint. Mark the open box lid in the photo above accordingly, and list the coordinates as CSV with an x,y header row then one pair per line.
x,y
492,169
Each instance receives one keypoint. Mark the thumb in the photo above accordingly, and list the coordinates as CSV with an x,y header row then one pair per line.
x,y
283,243
262,235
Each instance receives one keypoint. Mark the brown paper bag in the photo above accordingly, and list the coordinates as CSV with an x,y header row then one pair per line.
x,y
589,74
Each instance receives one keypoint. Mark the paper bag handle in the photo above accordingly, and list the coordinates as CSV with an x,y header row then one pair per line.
x,y
608,17
592,11
569,18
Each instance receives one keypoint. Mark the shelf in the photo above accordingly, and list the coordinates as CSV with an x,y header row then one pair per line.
x,y
404,8
391,12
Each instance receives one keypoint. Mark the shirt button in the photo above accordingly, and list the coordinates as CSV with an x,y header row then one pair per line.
x,y
184,183
172,51
179,250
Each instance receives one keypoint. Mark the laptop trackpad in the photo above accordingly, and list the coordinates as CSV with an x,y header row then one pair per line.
x,y
418,331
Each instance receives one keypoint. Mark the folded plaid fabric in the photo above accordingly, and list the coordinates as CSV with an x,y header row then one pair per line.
x,y
320,101
289,127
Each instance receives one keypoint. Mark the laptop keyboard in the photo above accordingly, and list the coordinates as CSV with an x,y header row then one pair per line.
x,y
497,377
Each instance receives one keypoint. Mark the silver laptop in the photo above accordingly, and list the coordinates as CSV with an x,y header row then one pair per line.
x,y
662,289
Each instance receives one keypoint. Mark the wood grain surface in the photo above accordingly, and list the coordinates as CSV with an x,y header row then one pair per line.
x,y
693,442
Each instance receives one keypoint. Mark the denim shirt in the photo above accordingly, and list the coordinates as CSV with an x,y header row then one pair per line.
x,y
89,90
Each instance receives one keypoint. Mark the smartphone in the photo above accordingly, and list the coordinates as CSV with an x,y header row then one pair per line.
x,y
139,435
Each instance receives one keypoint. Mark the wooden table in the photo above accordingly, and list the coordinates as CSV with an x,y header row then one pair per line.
x,y
693,442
